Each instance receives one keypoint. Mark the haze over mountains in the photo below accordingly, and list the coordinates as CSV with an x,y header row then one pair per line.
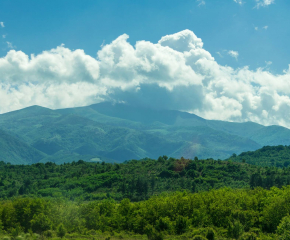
x,y
119,132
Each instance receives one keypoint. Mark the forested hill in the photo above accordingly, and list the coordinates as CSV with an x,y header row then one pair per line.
x,y
118,132
278,156
136,180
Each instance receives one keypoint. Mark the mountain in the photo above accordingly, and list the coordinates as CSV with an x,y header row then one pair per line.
x,y
17,151
118,132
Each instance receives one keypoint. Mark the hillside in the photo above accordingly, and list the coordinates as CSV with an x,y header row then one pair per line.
x,y
17,151
278,156
118,132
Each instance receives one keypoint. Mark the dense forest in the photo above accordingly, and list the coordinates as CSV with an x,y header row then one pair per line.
x,y
216,214
136,180
166,198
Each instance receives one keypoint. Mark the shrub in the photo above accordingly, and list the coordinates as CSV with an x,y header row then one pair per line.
x,y
152,234
235,229
61,231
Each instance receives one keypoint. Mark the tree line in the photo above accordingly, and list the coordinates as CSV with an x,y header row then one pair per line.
x,y
216,214
135,180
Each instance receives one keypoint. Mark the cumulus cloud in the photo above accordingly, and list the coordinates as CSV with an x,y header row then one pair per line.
x,y
175,73
264,3
2,24
233,54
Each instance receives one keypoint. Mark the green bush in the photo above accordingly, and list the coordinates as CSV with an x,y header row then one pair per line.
x,y
152,233
235,229
61,231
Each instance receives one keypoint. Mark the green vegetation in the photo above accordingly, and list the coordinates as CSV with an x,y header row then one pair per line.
x,y
158,199
136,180
216,214
115,133
278,156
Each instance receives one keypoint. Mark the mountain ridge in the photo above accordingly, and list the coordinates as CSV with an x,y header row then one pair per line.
x,y
119,132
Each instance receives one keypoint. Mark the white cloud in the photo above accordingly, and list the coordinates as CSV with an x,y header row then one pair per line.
x,y
241,2
176,73
218,53
265,27
233,54
2,24
200,2
10,45
264,3
256,28
3,36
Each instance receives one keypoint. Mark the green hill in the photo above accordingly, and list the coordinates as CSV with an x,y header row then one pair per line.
x,y
17,151
278,156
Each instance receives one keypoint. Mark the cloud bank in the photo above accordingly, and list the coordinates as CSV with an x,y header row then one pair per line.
x,y
175,73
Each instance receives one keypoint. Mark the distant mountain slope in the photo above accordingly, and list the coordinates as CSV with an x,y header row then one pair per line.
x,y
15,151
119,132
51,133
270,135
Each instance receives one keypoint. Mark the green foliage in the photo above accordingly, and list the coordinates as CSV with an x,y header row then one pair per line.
x,y
40,223
284,228
135,180
210,235
224,213
152,234
271,156
181,225
199,237
61,231
249,236
235,229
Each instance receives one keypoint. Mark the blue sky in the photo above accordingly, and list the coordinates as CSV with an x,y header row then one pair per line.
x,y
34,26
226,59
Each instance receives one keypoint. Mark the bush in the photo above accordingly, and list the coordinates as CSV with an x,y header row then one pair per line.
x,y
235,230
284,226
48,234
40,223
152,234
61,231
181,225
